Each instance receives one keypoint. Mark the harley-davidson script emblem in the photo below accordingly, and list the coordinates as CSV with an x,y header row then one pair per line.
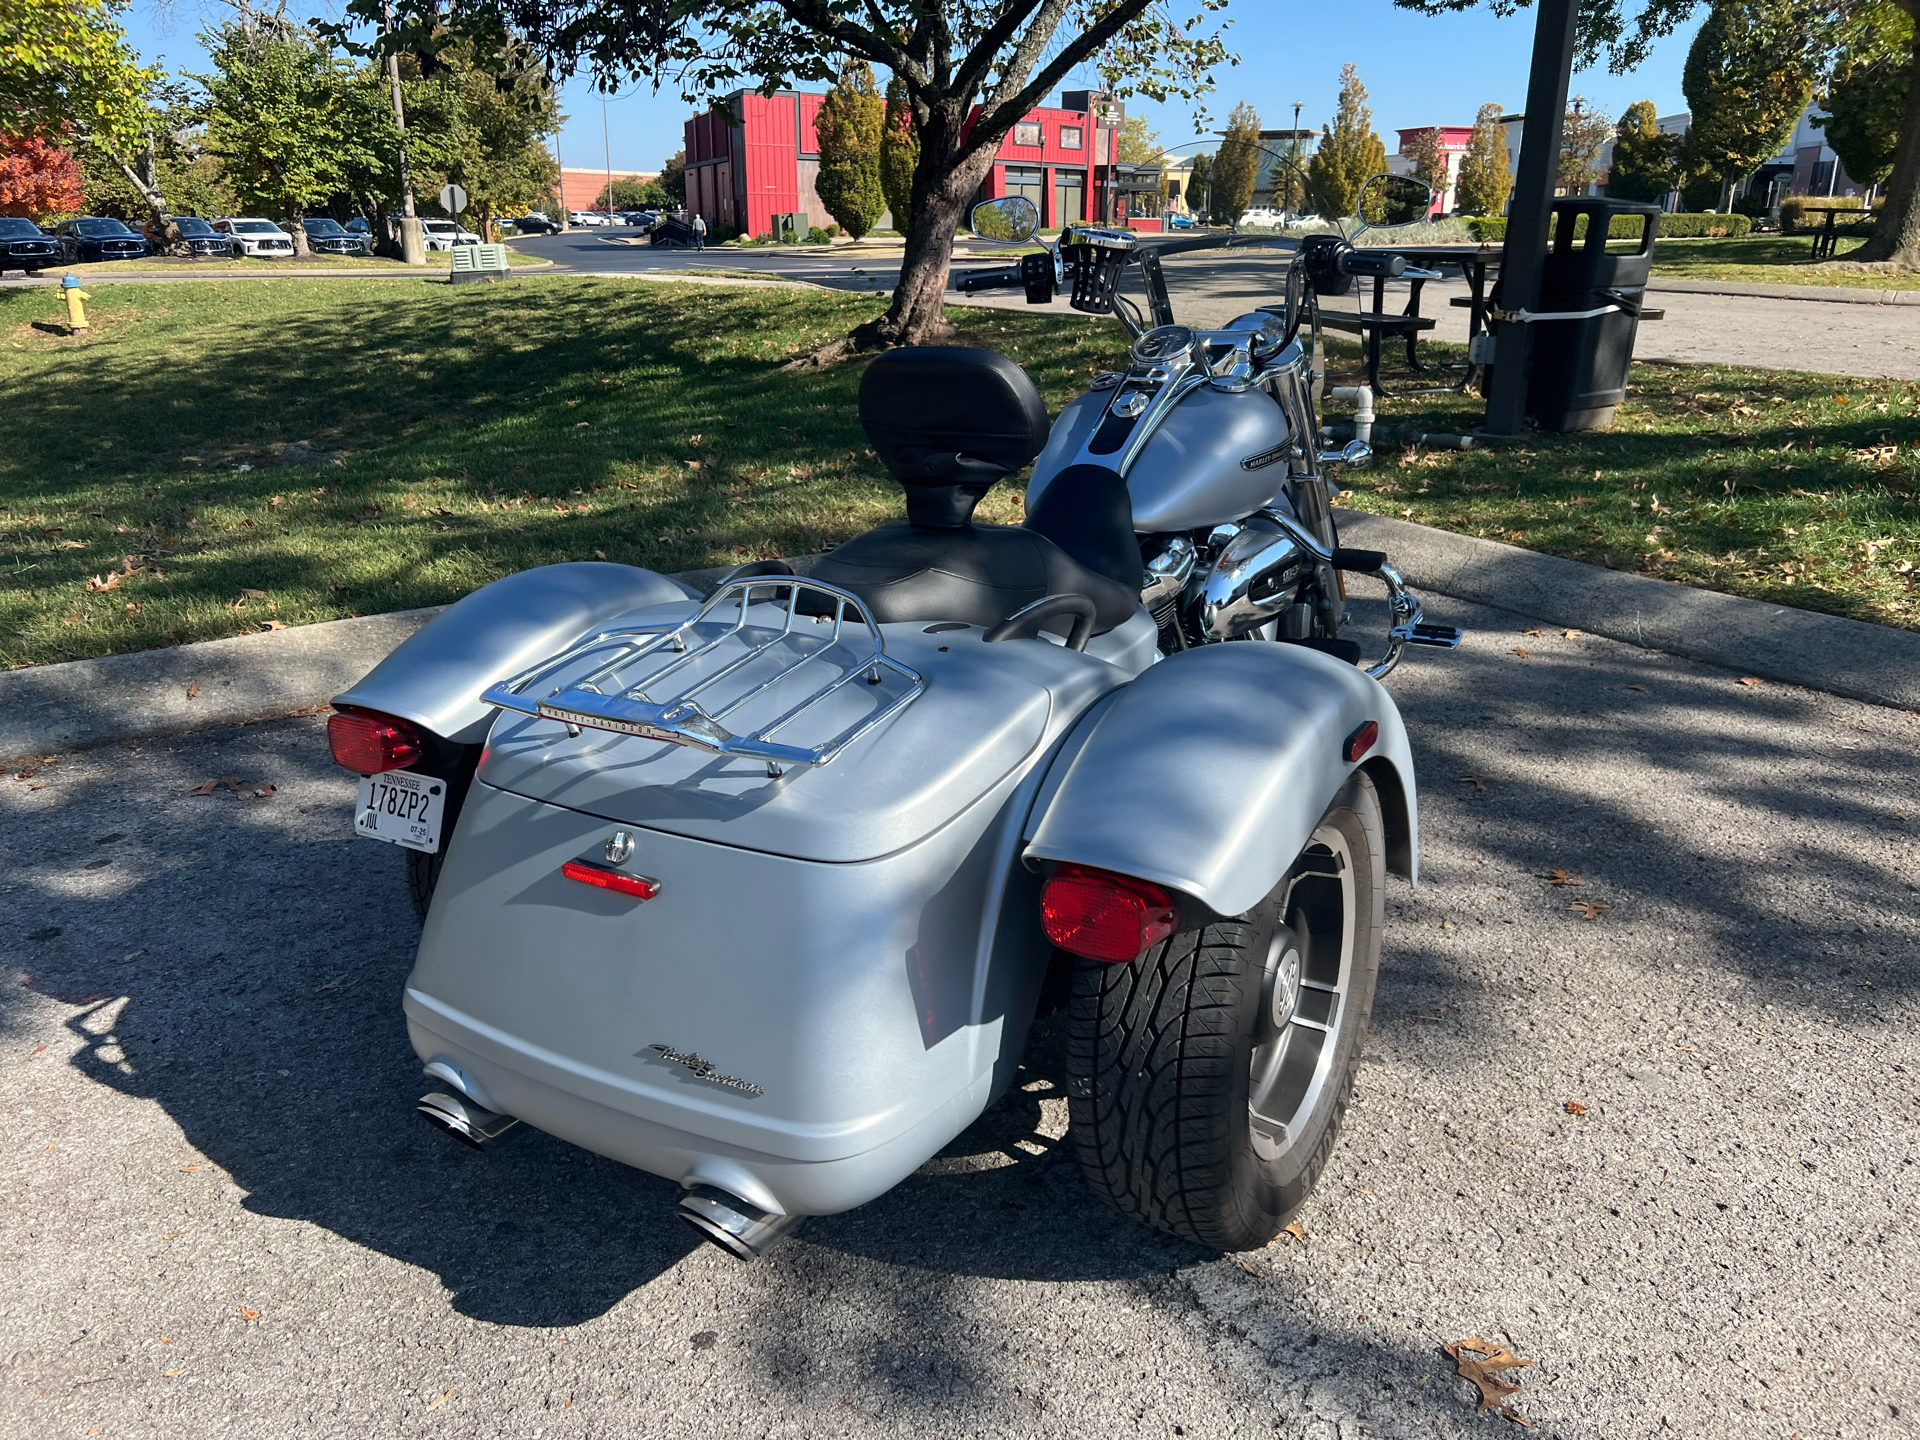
x,y
704,1069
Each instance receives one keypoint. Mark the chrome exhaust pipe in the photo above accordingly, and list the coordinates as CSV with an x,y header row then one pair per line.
x,y
737,1226
465,1121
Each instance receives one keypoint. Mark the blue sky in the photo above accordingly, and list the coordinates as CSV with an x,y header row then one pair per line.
x,y
1418,70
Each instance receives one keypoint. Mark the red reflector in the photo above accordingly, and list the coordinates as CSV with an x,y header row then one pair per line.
x,y
587,873
1361,741
367,742
1104,916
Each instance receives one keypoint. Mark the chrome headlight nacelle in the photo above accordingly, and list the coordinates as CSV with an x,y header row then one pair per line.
x,y
1259,573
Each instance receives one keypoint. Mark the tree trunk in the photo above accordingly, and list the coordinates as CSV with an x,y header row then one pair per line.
x,y
1896,237
149,192
297,228
942,192
485,209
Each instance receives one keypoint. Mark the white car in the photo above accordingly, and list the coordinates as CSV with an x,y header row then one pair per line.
x,y
253,236
445,234
588,217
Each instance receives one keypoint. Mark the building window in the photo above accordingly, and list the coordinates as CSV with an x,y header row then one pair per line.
x,y
1027,180
1069,137
1069,197
1026,132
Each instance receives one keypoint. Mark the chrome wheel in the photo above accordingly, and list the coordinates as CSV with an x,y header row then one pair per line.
x,y
1304,992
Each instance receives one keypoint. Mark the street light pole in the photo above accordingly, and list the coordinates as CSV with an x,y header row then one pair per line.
x,y
413,247
606,139
1294,164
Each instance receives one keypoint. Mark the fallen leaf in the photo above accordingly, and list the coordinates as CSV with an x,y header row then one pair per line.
x,y
1590,909
103,582
1569,634
193,692
253,594
252,1315
1574,1107
1361,1190
273,624
191,1169
1479,781
600,554
166,1339
1508,1414
169,1374
1750,680
1296,1230
1523,654
1446,925
1250,1269
1478,1362
449,1395
1562,877
1533,632
134,607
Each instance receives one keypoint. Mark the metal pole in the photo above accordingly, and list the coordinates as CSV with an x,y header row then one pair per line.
x,y
413,247
606,139
1294,163
1523,262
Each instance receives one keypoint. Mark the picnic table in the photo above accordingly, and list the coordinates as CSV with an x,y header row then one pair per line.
x,y
1475,262
1827,238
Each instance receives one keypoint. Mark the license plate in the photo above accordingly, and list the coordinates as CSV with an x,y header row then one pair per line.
x,y
401,808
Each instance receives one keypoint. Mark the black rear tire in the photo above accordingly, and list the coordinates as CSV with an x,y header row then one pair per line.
x,y
1207,1080
423,873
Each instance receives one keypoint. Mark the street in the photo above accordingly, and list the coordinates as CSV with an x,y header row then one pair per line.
x,y
1667,1153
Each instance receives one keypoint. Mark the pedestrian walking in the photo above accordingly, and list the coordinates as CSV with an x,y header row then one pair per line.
x,y
699,231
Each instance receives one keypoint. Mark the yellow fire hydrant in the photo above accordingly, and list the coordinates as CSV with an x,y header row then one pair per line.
x,y
76,303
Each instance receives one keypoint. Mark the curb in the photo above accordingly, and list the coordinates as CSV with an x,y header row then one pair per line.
x,y
1760,289
1851,658
79,704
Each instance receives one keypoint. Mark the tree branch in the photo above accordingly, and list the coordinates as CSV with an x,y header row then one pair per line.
x,y
998,117
973,71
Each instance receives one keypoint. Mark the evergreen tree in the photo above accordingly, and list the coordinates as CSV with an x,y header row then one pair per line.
x,y
1643,165
1236,166
848,126
1747,78
899,154
1348,156
1429,158
1486,172
1199,185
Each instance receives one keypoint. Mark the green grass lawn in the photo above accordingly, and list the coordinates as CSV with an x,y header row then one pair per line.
x,y
1769,259
145,498
485,428
1799,489
254,265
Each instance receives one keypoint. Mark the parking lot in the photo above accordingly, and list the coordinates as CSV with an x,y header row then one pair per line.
x,y
1668,1153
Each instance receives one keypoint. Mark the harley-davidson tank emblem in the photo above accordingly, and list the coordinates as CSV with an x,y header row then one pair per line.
x,y
704,1069
1268,457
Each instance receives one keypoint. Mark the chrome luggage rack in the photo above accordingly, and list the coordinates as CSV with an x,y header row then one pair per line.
x,y
633,706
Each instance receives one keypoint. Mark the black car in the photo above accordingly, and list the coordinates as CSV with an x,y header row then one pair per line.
x,y
326,236
535,224
25,246
93,237
201,237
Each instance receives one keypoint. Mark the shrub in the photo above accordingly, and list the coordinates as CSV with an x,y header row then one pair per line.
x,y
819,235
1625,227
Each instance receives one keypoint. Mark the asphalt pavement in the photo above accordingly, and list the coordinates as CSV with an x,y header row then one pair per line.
x,y
1667,1154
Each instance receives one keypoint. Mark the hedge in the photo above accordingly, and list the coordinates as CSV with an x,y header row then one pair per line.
x,y
1492,229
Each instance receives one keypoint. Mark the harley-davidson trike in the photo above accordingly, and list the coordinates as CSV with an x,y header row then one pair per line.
x,y
760,891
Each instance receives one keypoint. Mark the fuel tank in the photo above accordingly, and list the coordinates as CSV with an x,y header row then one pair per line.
x,y
1216,458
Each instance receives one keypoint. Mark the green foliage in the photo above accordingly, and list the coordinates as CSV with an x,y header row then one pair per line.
x,y
899,154
632,195
1644,161
1865,101
848,127
1486,174
673,177
1429,158
1350,153
1493,229
490,135
185,171
1200,185
66,69
1236,166
1747,78
1139,144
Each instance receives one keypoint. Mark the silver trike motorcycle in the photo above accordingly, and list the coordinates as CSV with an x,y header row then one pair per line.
x,y
760,891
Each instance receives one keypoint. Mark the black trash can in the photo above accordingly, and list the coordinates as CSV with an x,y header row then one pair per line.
x,y
1580,366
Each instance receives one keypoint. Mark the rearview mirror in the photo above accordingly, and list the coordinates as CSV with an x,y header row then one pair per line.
x,y
1012,219
1389,200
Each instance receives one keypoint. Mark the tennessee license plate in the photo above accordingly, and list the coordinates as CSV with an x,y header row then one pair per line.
x,y
401,808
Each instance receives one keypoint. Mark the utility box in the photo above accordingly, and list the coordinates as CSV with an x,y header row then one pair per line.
x,y
472,263
790,229
1580,366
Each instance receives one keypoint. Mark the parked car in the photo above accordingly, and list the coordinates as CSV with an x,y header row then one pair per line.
x,y
95,237
327,236
249,235
1180,220
588,217
445,234
25,246
201,238
534,223
359,226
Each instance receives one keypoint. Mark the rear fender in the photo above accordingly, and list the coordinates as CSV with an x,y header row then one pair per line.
x,y
435,677
1208,773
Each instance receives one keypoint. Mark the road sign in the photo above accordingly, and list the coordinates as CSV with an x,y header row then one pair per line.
x,y
453,199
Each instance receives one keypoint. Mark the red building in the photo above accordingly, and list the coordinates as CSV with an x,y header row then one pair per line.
x,y
1455,140
740,175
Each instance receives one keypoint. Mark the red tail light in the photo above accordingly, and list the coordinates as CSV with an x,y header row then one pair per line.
x,y
587,873
1104,916
367,742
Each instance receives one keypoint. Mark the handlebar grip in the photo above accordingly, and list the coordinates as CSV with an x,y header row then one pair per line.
x,y
1008,278
1363,561
1359,262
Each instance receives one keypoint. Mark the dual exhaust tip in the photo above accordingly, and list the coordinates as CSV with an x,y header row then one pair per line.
x,y
737,1226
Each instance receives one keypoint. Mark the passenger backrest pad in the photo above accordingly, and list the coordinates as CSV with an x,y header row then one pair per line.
x,y
948,422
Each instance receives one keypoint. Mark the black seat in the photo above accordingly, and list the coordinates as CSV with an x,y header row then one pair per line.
x,y
949,423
